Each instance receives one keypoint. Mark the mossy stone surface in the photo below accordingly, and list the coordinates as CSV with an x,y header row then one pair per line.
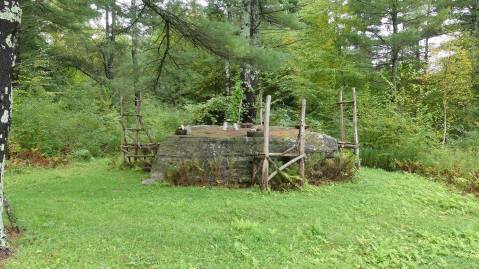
x,y
234,153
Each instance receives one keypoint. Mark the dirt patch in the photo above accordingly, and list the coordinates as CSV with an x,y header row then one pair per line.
x,y
34,158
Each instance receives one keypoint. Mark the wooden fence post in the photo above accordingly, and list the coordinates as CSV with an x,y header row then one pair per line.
x,y
123,126
342,133
302,130
261,119
137,124
265,167
355,123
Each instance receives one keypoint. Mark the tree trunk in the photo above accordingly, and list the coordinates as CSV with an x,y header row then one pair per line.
x,y
227,78
110,38
394,48
475,52
10,16
111,44
426,41
107,23
134,54
444,132
426,52
228,84
249,74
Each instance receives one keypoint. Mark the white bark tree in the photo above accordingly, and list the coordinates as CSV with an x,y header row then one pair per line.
x,y
10,16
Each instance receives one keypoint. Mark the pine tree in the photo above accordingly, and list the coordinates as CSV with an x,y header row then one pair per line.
x,y
390,26
466,14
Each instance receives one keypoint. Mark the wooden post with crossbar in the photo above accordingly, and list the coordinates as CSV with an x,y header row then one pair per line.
x,y
296,152
265,166
302,130
342,133
355,125
133,149
123,127
342,140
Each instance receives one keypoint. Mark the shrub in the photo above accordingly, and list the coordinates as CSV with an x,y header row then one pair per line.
x,y
455,166
82,155
388,136
219,108
193,172
40,123
342,166
33,158
162,121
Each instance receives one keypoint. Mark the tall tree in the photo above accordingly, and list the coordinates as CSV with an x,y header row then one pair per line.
x,y
249,73
10,16
40,63
229,19
134,51
466,13
390,25
110,32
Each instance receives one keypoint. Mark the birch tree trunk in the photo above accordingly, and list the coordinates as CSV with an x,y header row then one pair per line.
x,y
10,16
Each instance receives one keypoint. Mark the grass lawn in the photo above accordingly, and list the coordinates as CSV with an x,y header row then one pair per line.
x,y
89,216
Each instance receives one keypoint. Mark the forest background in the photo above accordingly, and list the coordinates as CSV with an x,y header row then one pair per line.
x,y
415,65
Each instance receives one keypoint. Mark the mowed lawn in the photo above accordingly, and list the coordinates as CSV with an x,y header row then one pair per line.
x,y
87,215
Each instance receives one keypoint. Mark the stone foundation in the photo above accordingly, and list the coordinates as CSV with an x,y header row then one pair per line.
x,y
228,157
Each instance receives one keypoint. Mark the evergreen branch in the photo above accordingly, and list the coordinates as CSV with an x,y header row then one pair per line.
x,y
193,33
165,53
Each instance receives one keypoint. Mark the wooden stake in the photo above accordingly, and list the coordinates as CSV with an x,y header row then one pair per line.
x,y
261,107
302,130
265,169
137,124
342,133
355,123
122,125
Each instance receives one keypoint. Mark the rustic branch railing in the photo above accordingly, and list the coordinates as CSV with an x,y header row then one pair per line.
x,y
298,155
135,151
342,133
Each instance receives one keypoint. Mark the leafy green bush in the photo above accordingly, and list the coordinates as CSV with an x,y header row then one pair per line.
x,y
211,112
71,124
219,108
82,155
387,136
455,166
41,123
283,117
162,121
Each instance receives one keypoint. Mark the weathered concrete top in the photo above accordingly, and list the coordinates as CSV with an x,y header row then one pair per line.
x,y
233,149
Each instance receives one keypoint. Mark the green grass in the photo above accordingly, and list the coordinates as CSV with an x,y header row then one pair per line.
x,y
88,216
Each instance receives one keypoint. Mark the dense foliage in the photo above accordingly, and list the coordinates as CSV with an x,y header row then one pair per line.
x,y
414,63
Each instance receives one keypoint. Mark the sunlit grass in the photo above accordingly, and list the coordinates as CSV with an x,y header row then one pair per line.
x,y
89,216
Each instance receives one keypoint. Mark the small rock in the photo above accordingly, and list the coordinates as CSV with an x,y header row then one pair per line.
x,y
149,181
